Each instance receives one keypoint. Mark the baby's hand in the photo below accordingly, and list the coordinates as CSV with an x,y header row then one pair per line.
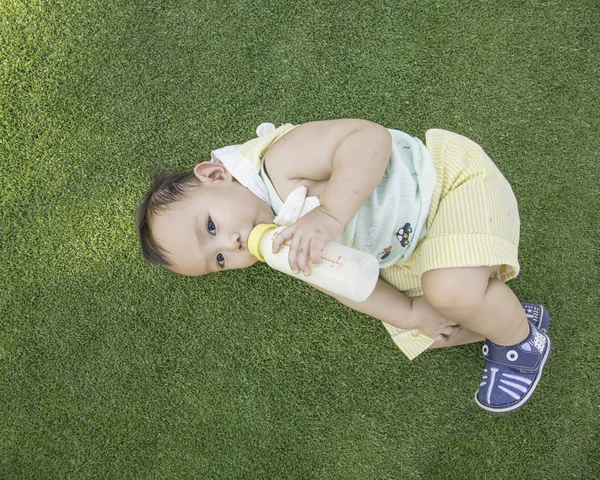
x,y
308,237
430,322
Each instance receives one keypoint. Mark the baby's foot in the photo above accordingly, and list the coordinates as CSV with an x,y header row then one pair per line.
x,y
512,373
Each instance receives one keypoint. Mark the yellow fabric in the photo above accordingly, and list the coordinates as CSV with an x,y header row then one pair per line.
x,y
244,161
473,221
255,149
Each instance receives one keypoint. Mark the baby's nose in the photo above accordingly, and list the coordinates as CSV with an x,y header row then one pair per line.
x,y
234,242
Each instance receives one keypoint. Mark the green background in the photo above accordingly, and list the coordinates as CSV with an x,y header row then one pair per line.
x,y
112,368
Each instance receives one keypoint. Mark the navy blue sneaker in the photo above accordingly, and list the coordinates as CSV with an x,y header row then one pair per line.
x,y
537,316
512,373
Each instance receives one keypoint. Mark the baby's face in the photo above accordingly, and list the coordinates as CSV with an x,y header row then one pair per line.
x,y
208,230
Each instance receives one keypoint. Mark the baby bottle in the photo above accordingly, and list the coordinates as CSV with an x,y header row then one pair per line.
x,y
344,271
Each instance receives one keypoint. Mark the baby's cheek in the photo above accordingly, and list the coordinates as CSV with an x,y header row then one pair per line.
x,y
249,261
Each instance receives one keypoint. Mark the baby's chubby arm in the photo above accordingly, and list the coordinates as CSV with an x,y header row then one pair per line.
x,y
341,162
393,307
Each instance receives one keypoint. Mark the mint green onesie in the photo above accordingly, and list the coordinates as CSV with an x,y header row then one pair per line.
x,y
392,220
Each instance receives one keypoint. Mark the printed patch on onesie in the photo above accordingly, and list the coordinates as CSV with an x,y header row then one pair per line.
x,y
386,253
403,234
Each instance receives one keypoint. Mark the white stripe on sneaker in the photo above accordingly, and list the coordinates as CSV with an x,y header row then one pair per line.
x,y
510,392
517,377
514,385
489,392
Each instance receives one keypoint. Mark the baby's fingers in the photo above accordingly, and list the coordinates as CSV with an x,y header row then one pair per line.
x,y
451,330
303,258
293,254
316,247
447,332
309,251
298,255
283,236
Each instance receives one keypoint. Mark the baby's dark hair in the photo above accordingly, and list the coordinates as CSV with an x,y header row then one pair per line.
x,y
166,190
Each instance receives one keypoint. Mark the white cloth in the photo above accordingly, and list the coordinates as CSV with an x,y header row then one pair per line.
x,y
244,163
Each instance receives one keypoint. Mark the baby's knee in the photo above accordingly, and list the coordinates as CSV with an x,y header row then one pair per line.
x,y
446,300
449,290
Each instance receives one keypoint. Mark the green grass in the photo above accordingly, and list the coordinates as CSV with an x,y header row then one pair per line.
x,y
111,368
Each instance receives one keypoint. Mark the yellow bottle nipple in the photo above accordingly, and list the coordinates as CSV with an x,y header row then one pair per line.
x,y
255,236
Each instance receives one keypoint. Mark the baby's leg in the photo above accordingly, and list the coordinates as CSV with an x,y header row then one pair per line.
x,y
515,350
485,305
432,323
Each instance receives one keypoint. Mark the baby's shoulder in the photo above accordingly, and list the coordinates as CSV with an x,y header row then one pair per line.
x,y
305,154
312,142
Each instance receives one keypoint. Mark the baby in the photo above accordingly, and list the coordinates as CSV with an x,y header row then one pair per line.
x,y
441,219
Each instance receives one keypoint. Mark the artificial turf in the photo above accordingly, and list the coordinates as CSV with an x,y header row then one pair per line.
x,y
112,368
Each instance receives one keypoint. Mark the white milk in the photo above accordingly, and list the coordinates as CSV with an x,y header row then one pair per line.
x,y
344,271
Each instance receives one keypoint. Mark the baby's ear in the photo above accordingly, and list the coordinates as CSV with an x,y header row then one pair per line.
x,y
208,172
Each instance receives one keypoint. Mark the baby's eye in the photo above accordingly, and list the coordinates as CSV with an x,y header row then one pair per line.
x,y
210,226
220,260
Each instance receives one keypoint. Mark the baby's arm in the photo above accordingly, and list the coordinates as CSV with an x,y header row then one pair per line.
x,y
393,307
340,161
357,166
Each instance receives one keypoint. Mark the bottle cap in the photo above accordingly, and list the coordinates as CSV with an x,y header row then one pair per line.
x,y
255,236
